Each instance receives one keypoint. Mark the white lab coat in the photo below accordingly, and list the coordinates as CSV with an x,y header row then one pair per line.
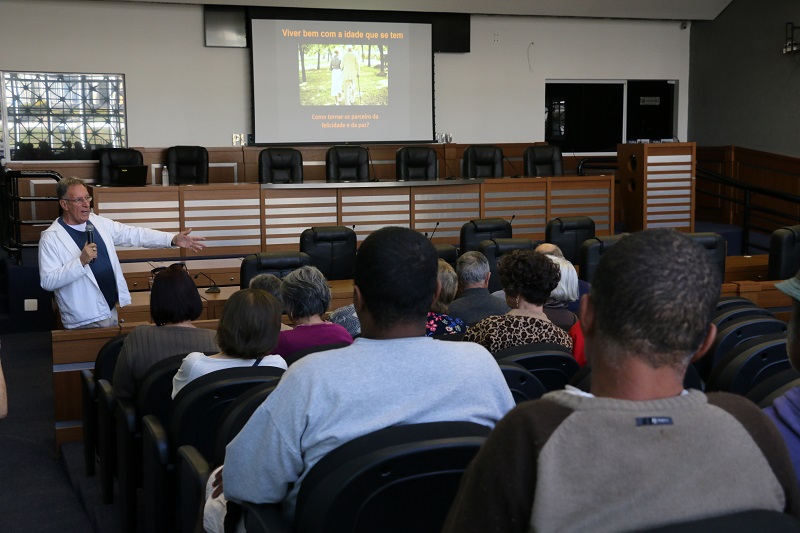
x,y
78,296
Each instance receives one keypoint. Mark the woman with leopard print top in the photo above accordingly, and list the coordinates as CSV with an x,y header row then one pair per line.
x,y
528,279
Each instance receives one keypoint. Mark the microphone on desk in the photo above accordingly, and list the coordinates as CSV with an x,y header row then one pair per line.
x,y
90,235
433,232
450,175
512,219
214,288
516,170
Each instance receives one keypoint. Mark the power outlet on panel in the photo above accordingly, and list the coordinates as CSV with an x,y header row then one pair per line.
x,y
31,305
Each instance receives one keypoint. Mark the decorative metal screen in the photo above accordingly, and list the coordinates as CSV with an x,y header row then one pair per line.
x,y
62,116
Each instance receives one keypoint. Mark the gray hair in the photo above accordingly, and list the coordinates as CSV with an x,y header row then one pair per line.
x,y
472,268
305,292
654,294
567,290
64,185
268,282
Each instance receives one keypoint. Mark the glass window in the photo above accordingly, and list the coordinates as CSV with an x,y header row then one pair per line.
x,y
62,116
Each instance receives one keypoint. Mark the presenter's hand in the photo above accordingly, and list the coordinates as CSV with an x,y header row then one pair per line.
x,y
190,242
88,253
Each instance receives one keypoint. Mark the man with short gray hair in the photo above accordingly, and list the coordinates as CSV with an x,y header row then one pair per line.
x,y
474,302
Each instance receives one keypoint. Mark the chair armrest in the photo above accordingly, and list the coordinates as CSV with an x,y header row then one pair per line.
x,y
193,473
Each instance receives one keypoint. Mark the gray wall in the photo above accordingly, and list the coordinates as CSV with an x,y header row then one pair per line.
x,y
180,92
743,90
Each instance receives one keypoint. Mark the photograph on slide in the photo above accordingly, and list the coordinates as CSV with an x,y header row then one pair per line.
x,y
343,74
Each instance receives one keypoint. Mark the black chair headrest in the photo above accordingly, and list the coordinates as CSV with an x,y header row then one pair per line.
x,y
330,233
489,224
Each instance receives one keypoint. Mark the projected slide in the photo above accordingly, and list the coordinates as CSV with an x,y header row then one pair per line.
x,y
333,82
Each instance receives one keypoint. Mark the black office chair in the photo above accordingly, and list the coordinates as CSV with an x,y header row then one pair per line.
x,y
524,386
590,253
280,165
193,419
729,314
402,478
110,159
187,165
784,253
768,390
299,354
494,249
715,244
332,249
347,163
104,366
194,469
749,363
483,161
416,163
568,233
481,229
543,161
734,333
276,263
154,398
554,368
733,301
448,252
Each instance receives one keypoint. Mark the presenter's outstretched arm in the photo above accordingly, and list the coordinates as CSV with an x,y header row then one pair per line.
x,y
190,242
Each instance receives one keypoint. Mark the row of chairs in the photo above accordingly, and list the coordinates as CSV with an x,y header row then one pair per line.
x,y
189,164
332,249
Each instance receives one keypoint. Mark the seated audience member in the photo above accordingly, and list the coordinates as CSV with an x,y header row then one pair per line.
x,y
439,321
174,303
346,317
3,394
528,279
306,296
639,451
271,284
246,335
565,293
474,303
785,410
583,286
327,399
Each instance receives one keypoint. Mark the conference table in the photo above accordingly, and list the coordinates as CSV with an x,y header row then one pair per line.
x,y
238,219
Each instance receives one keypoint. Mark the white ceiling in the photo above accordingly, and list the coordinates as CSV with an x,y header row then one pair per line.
x,y
621,9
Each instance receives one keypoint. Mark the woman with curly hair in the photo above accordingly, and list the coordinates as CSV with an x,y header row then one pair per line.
x,y
528,279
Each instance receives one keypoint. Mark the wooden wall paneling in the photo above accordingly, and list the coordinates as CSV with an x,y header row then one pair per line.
x,y
150,207
524,197
708,207
451,206
228,216
590,196
287,211
771,171
226,165
369,209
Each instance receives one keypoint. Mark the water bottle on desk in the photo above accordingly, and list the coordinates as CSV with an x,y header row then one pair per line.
x,y
165,177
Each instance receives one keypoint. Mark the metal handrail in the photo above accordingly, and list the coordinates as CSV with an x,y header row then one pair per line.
x,y
753,214
597,163
13,222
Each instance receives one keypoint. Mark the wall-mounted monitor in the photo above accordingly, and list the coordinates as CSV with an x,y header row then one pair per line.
x,y
341,82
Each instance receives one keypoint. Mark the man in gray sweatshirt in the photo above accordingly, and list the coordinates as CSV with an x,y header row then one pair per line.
x,y
392,375
639,451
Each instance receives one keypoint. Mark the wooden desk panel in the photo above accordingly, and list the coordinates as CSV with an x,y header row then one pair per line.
x,y
369,209
524,197
747,267
590,196
149,207
228,216
449,206
287,212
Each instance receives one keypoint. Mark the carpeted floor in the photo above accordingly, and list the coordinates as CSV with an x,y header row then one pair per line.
x,y
35,492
